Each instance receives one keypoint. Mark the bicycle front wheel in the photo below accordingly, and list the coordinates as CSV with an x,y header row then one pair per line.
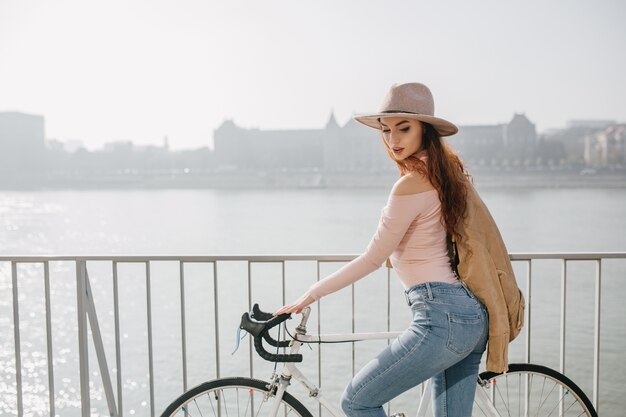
x,y
233,397
531,390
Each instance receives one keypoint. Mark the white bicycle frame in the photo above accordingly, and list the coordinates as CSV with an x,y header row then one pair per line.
x,y
291,371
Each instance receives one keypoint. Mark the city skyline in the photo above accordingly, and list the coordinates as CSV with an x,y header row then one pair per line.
x,y
144,70
73,144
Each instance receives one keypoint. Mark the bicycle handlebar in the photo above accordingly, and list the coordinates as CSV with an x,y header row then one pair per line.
x,y
258,324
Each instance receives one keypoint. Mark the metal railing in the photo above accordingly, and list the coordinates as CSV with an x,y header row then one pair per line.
x,y
88,318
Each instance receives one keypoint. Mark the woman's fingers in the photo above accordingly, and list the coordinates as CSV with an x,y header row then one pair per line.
x,y
282,310
296,307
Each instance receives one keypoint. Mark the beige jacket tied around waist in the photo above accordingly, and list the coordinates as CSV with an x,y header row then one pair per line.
x,y
485,267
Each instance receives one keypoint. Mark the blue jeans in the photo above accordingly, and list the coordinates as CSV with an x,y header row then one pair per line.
x,y
445,341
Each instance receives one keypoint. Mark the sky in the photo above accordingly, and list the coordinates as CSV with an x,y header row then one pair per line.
x,y
140,70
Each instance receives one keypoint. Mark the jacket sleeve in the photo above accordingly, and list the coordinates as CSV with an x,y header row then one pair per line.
x,y
395,219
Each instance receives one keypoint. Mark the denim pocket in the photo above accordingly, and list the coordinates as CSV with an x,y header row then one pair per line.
x,y
419,305
464,330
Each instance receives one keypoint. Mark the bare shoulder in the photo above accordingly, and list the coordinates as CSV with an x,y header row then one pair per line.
x,y
412,183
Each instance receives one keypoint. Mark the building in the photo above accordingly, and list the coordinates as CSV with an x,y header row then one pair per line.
x,y
591,123
606,148
22,143
353,147
574,141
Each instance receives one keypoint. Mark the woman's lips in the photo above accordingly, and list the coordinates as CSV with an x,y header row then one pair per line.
x,y
398,150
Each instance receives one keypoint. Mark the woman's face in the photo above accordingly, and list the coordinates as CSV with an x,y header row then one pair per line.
x,y
402,135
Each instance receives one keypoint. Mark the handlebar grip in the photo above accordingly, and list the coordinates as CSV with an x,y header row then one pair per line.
x,y
258,345
255,328
260,315
260,330
269,339
276,320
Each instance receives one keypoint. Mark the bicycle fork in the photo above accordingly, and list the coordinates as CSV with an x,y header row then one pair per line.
x,y
278,384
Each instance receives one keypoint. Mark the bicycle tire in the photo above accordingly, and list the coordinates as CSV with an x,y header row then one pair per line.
x,y
253,391
544,387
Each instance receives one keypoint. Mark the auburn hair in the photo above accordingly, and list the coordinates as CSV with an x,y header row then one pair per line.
x,y
445,171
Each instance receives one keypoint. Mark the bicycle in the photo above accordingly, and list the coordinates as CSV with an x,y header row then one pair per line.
x,y
526,389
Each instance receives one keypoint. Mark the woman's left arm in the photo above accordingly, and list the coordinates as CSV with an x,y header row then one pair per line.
x,y
396,217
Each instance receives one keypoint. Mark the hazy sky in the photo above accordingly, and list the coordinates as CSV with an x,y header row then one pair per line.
x,y
102,71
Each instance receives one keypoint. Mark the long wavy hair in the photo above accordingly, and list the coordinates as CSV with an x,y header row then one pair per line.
x,y
446,173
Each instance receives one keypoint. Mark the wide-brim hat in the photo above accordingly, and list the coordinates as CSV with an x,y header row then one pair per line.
x,y
410,100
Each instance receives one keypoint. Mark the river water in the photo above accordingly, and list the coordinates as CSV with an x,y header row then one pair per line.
x,y
280,222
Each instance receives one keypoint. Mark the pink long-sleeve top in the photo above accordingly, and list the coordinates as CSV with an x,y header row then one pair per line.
x,y
410,233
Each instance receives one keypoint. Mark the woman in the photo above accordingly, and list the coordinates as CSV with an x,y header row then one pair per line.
x,y
449,329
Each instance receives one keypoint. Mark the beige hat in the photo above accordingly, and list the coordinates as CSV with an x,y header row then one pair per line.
x,y
411,100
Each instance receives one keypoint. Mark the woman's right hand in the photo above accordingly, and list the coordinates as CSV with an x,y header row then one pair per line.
x,y
296,306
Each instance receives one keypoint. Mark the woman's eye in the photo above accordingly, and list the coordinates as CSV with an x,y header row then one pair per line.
x,y
386,131
406,129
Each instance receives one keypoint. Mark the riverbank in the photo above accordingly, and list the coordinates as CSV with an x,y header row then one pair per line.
x,y
289,180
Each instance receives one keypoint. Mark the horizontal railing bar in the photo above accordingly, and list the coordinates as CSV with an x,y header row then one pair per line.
x,y
520,256
188,258
570,256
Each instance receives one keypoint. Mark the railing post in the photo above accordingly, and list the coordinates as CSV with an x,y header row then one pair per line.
x,y
46,276
217,320
118,354
87,310
563,317
528,318
83,358
353,329
16,341
99,347
563,329
528,308
149,325
250,351
183,322
596,338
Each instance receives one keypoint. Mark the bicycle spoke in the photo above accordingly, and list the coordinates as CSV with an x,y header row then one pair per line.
x,y
224,402
570,406
507,395
211,403
540,397
506,404
561,401
519,395
248,403
260,406
480,408
238,413
531,378
547,397
196,403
